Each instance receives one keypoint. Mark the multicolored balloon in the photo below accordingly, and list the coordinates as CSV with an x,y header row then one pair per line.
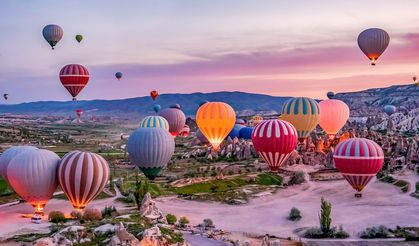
x,y
215,120
155,121
274,140
82,176
334,115
150,149
185,131
33,176
175,117
303,113
373,42
74,78
8,155
154,95
390,109
118,75
52,34
79,38
256,120
358,160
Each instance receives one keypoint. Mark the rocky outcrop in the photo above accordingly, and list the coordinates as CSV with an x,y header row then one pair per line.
x,y
123,238
150,211
55,240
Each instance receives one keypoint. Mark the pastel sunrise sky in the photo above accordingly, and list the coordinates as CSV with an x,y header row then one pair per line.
x,y
282,48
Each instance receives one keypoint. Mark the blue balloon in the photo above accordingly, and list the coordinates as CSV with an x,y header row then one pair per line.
x,y
156,108
390,109
118,75
235,131
246,132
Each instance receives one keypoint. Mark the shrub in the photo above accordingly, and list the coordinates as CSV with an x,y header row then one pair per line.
x,y
341,233
207,223
76,215
295,214
109,211
183,221
171,219
92,214
376,232
56,217
314,232
297,178
324,217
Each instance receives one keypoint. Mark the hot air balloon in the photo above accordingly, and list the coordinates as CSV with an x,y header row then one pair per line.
x,y
235,132
52,34
8,155
118,75
175,117
155,121
274,140
74,78
202,103
330,95
156,108
359,160
79,112
201,137
246,132
373,42
334,114
154,95
215,120
79,37
33,176
185,131
256,120
240,122
303,113
6,96
414,78
82,176
150,149
390,109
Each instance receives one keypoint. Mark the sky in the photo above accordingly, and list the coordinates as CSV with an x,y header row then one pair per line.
x,y
280,48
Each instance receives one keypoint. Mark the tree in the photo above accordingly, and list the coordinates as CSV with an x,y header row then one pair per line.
x,y
295,214
141,188
324,217
171,219
183,221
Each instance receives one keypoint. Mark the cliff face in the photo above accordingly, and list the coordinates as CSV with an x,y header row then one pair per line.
x,y
371,102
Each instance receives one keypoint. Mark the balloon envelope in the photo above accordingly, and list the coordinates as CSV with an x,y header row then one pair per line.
x,y
330,95
303,113
246,132
6,96
74,78
176,119
215,120
334,114
155,121
154,95
79,38
185,131
373,42
82,176
8,155
256,120
359,160
235,132
33,176
156,108
274,140
390,109
150,149
118,75
52,34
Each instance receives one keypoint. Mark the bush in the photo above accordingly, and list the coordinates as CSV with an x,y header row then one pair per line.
x,y
297,178
295,214
183,221
341,233
76,215
376,232
56,217
92,214
109,211
207,223
314,232
171,219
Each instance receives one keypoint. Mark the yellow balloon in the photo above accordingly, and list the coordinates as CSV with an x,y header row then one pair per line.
x,y
256,120
303,113
215,120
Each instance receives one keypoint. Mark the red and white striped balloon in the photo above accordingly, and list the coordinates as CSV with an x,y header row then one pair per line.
x,y
274,140
74,78
359,160
82,176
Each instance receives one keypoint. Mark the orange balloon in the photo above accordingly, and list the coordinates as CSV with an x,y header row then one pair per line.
x,y
333,116
215,120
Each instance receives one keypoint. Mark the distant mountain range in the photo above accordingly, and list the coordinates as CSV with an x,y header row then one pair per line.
x,y
366,102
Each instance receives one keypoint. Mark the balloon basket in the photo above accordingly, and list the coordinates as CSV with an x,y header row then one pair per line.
x,y
358,195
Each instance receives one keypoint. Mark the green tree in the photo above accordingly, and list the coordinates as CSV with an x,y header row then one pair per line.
x,y
324,217
141,188
171,219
